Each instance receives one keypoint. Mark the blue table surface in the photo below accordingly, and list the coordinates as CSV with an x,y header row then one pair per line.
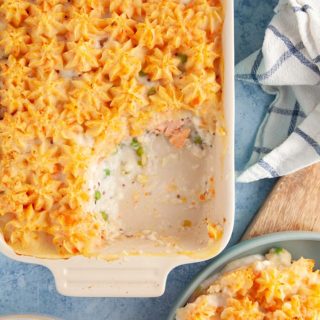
x,y
31,289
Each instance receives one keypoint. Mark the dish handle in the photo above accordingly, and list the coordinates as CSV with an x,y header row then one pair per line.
x,y
87,278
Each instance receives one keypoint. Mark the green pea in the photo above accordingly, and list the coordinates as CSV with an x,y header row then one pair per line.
x,y
135,144
140,151
142,73
97,195
152,91
197,140
104,216
183,57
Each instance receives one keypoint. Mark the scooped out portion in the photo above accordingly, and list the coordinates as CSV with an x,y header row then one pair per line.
x,y
158,187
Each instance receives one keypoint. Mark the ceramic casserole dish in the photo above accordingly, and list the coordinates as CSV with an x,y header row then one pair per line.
x,y
142,267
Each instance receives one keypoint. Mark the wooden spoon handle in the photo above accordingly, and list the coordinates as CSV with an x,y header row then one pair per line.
x,y
294,204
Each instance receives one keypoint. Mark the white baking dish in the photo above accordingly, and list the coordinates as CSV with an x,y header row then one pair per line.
x,y
144,275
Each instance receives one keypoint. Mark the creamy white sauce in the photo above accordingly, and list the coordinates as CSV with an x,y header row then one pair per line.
x,y
154,197
68,74
84,140
261,265
218,300
282,258
123,168
243,262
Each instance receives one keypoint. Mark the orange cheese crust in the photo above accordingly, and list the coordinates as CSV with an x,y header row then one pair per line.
x,y
70,88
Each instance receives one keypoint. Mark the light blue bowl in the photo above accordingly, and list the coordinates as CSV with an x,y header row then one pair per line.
x,y
300,244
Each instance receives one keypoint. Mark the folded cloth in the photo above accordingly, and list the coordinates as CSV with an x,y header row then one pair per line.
x,y
287,66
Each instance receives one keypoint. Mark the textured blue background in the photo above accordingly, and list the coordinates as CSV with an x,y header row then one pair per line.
x,y
31,289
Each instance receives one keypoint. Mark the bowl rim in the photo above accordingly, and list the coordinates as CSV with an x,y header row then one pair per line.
x,y
232,253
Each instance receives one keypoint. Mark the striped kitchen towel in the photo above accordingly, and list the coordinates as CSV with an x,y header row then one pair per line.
x,y
287,66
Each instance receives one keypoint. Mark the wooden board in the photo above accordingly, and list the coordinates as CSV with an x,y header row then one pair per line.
x,y
294,204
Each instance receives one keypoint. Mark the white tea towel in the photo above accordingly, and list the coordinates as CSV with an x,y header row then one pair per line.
x,y
287,66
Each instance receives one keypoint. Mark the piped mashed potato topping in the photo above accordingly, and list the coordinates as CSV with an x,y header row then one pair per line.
x,y
77,79
259,288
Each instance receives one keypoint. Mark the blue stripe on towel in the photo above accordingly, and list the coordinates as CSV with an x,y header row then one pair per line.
x,y
266,166
262,150
256,66
294,118
303,8
298,54
313,143
280,61
283,58
316,59
286,112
